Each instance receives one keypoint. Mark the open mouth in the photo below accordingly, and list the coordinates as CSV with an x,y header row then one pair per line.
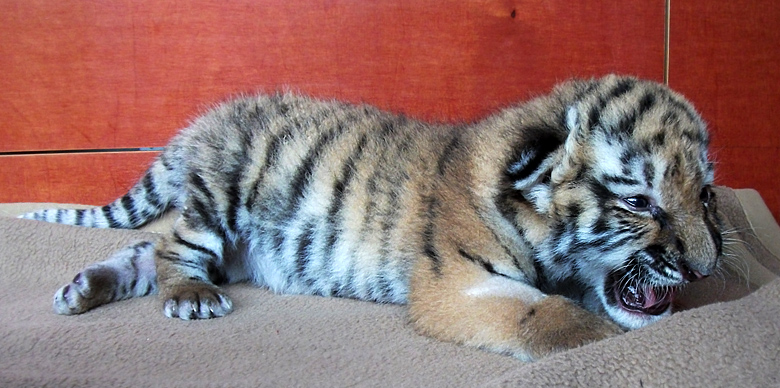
x,y
636,297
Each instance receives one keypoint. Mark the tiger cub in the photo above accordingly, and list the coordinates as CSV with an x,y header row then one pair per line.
x,y
550,224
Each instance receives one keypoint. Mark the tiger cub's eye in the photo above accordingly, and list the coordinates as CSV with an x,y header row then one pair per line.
x,y
638,202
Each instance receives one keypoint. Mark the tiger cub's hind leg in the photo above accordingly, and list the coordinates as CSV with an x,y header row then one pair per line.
x,y
128,273
189,263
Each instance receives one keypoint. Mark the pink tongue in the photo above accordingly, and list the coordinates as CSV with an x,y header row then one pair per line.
x,y
651,299
647,299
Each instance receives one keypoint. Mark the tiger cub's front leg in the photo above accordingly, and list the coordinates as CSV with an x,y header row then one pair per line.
x,y
467,305
189,261
126,274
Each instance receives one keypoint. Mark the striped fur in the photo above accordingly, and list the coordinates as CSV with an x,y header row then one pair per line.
x,y
548,225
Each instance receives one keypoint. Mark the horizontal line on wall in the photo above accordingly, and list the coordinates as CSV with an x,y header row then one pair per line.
x,y
80,151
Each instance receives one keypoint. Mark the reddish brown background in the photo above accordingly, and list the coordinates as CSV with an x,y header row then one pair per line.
x,y
725,57
82,75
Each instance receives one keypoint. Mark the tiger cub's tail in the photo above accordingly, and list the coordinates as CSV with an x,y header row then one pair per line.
x,y
155,193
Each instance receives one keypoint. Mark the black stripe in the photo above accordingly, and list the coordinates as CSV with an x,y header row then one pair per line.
x,y
272,150
165,162
303,258
389,216
678,242
236,176
205,211
717,237
623,86
573,210
216,273
149,288
506,210
388,129
80,216
58,217
277,239
348,288
660,259
382,288
339,190
679,105
646,103
476,259
449,151
271,156
601,226
601,192
129,206
233,192
300,182
621,180
303,175
648,170
608,243
673,169
192,246
149,191
429,234
234,200
626,159
201,186
660,216
179,261
627,123
112,222
347,174
142,245
541,282
659,139
584,88
540,142
201,215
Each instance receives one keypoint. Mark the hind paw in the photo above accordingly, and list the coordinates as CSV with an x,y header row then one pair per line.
x,y
197,301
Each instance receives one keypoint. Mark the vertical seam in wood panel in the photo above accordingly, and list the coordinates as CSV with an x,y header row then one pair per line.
x,y
667,22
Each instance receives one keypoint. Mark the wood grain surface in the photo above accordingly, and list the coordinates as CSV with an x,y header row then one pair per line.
x,y
85,178
724,56
80,74
87,75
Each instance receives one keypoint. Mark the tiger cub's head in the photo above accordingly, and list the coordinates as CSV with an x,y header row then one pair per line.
x,y
628,197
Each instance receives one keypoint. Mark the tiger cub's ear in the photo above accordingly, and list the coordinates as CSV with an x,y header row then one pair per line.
x,y
574,147
548,157
532,163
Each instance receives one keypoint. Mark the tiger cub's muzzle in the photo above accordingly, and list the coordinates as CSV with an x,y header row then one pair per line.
x,y
648,282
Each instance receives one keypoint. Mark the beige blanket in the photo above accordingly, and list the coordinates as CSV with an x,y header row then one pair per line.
x,y
284,341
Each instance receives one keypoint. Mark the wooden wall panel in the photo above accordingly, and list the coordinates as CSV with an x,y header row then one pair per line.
x,y
80,74
724,56
86,178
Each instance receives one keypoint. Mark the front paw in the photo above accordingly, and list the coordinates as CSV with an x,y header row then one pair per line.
x,y
196,301
91,288
556,324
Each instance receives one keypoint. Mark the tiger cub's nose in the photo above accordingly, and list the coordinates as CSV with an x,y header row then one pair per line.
x,y
689,273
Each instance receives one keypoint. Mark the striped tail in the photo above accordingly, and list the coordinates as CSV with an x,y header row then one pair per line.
x,y
146,201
